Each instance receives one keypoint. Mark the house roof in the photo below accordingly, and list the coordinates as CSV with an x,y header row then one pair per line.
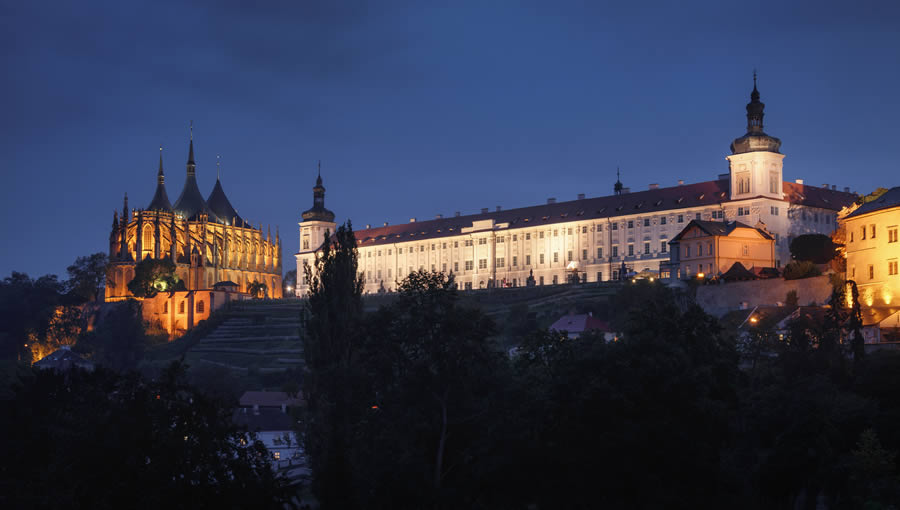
x,y
655,201
579,323
63,359
890,199
226,283
718,228
268,399
737,271
263,420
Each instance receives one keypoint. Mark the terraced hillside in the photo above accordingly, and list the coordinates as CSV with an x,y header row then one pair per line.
x,y
261,336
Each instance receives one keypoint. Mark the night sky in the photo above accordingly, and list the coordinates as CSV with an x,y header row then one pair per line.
x,y
418,110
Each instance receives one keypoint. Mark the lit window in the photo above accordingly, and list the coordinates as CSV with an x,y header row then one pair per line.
x,y
276,455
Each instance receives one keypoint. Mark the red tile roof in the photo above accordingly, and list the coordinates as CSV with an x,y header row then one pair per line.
x,y
642,202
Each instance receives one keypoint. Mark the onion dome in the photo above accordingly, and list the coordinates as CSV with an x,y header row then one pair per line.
x,y
755,140
160,200
318,212
190,203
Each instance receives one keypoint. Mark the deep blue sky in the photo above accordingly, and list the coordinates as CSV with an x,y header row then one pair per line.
x,y
419,109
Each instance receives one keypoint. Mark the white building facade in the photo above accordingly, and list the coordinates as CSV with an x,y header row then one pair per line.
x,y
589,237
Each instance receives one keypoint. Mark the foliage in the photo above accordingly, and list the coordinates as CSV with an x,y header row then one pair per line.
x,y
152,276
790,299
816,248
87,276
290,280
102,440
258,290
332,386
27,307
871,197
119,341
798,270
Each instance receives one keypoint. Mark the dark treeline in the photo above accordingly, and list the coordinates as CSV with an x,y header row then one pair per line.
x,y
413,406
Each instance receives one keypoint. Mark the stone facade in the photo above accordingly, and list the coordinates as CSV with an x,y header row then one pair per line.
x,y
873,249
206,238
590,238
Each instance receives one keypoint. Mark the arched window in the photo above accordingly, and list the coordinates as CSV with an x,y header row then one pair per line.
x,y
148,238
200,306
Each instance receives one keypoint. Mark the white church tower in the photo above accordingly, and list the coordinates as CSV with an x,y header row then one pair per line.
x,y
755,163
316,224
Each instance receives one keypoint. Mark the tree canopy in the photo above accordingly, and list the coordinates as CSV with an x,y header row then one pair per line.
x,y
152,276
815,248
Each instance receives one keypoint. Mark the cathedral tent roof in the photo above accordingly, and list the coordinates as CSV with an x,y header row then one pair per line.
x,y
160,200
190,203
220,206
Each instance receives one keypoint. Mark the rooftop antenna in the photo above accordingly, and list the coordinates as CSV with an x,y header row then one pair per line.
x,y
218,158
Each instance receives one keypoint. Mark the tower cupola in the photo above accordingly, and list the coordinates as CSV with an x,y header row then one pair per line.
x,y
318,212
755,139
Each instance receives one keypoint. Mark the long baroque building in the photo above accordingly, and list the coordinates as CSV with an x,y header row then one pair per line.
x,y
592,238
207,239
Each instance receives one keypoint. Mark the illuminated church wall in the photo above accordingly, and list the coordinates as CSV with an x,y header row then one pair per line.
x,y
206,238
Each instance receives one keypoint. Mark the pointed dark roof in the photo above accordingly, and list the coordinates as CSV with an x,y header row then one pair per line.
x,y
160,200
718,228
190,203
318,212
738,272
890,199
220,206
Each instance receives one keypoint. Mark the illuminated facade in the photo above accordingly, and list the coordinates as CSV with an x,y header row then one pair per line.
x,y
712,247
207,239
873,249
589,237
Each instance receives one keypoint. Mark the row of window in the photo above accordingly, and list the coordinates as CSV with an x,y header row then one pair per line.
x,y
869,231
891,270
200,307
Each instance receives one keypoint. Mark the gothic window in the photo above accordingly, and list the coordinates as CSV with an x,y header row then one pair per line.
x,y
743,182
148,238
200,306
181,307
773,182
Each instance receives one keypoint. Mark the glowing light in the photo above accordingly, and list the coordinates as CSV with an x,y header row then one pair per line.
x,y
754,320
374,407
651,278
887,295
701,275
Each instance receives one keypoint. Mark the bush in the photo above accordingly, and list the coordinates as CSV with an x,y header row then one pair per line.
x,y
800,269
816,248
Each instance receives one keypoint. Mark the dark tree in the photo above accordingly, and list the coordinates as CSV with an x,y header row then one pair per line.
x,y
332,383
101,441
119,341
815,248
289,281
87,276
798,270
27,307
152,276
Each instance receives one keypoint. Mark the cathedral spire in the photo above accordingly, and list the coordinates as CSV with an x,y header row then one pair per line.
x,y
160,200
191,166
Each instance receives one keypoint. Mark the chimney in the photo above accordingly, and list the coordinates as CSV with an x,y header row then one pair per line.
x,y
456,214
581,196
799,181
825,185
846,189
681,182
498,208
626,190
385,223
368,226
438,216
833,187
551,200
484,210
654,186
412,220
